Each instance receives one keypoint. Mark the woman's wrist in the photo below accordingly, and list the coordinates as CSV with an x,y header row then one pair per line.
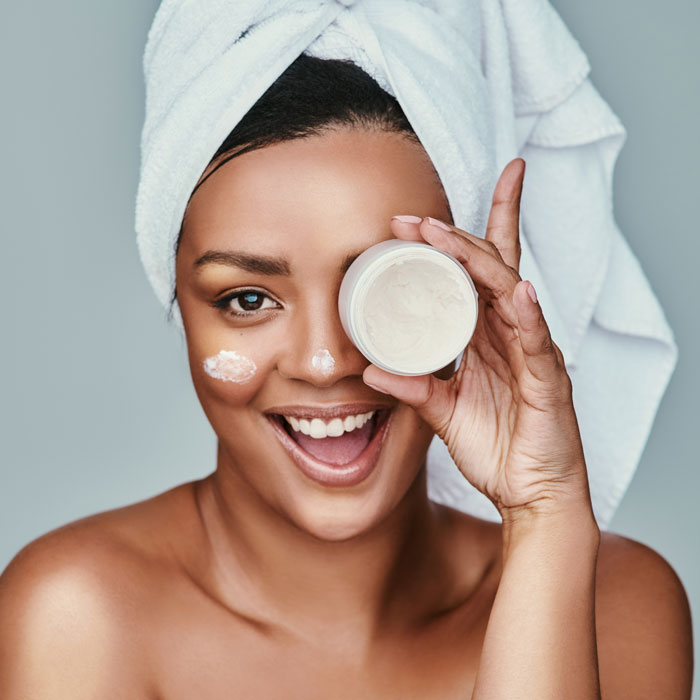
x,y
568,522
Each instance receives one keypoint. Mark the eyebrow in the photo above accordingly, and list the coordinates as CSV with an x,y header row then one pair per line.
x,y
262,264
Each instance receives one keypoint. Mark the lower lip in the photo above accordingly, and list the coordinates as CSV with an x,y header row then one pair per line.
x,y
348,474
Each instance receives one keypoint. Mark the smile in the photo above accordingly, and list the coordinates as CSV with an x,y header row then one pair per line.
x,y
337,446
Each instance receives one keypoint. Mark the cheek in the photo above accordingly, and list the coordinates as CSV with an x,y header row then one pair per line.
x,y
230,366
231,375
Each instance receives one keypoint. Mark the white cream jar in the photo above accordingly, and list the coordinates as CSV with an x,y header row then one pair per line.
x,y
408,307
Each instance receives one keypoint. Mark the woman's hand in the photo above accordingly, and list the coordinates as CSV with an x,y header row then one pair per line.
x,y
506,414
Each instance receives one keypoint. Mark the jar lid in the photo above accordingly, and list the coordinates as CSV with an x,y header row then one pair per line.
x,y
409,307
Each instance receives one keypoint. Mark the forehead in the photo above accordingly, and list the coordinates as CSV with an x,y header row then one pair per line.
x,y
342,178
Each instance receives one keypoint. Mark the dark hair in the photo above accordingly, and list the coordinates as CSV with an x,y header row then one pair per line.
x,y
312,96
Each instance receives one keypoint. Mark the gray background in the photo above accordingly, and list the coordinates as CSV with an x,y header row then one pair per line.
x,y
97,405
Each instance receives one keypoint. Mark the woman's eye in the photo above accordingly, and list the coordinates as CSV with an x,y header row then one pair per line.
x,y
245,303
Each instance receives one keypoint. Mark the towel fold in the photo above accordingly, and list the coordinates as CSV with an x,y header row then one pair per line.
x,y
481,82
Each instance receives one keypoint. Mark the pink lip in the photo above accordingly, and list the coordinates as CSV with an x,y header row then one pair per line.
x,y
346,475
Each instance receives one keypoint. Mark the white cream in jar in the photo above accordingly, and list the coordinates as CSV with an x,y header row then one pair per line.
x,y
408,307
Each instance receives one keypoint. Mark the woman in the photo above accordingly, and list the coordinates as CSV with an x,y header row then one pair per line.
x,y
260,581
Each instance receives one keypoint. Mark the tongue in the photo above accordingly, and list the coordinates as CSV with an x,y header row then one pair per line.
x,y
337,450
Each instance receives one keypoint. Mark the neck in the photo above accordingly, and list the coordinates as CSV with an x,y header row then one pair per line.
x,y
267,568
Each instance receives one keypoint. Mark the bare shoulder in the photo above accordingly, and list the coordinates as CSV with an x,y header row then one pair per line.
x,y
643,623
72,600
643,620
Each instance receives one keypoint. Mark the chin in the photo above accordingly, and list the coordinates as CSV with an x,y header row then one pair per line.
x,y
332,516
331,523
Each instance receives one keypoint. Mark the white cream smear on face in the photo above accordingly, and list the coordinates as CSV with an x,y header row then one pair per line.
x,y
417,312
323,361
230,366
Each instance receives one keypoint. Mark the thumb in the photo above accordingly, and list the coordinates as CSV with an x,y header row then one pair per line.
x,y
432,398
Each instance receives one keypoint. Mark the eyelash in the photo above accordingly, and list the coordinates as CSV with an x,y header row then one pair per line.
x,y
224,303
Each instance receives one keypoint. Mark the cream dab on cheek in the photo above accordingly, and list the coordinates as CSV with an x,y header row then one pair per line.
x,y
230,366
323,361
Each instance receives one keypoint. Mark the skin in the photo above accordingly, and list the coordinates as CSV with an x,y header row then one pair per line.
x,y
257,582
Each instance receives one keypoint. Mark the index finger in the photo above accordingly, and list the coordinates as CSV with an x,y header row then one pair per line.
x,y
503,225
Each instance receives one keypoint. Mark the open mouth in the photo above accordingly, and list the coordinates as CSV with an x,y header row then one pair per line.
x,y
337,442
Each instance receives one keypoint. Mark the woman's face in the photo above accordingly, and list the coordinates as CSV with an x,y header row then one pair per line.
x,y
278,227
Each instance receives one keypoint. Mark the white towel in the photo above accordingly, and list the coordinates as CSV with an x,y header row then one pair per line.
x,y
481,82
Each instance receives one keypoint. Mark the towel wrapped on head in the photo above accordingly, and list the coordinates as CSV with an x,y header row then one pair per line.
x,y
481,83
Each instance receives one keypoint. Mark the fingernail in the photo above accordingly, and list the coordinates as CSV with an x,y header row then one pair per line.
x,y
408,219
438,223
531,291
376,388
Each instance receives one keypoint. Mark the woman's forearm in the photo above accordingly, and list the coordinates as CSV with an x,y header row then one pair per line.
x,y
540,640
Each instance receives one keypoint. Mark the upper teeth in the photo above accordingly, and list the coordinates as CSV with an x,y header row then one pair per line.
x,y
316,428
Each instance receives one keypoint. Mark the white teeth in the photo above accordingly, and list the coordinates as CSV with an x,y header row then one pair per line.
x,y
335,428
316,428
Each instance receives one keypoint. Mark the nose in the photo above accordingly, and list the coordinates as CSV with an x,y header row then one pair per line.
x,y
317,350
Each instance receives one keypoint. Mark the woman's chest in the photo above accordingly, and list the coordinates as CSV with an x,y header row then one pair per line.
x,y
212,658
